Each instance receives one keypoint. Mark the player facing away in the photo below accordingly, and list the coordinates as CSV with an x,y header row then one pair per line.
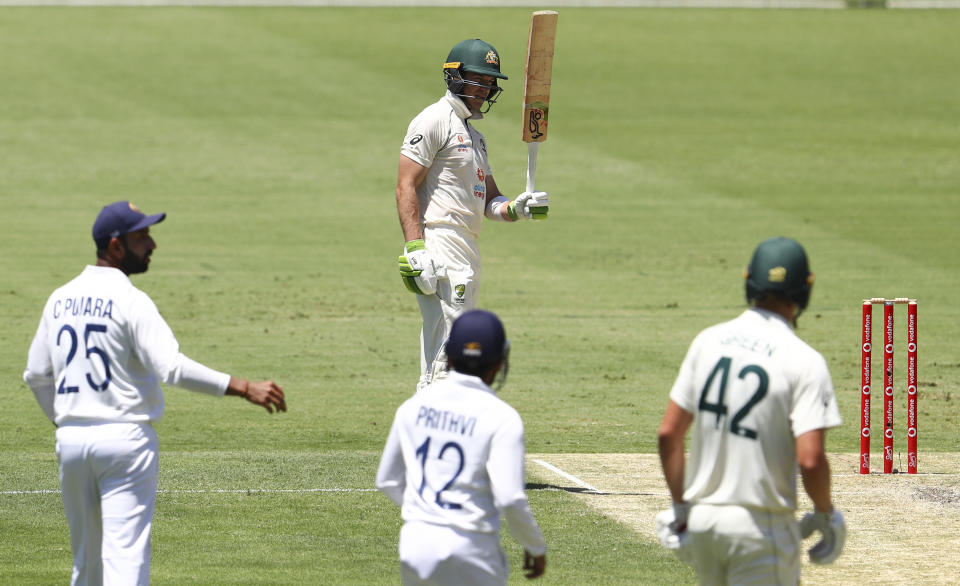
x,y
444,189
454,461
95,366
757,401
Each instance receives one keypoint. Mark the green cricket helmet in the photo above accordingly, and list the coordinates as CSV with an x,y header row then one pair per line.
x,y
779,266
473,56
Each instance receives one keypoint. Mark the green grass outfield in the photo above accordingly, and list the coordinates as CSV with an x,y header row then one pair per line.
x,y
679,139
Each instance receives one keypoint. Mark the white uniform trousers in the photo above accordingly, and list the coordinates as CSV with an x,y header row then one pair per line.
x,y
108,480
457,293
733,545
437,555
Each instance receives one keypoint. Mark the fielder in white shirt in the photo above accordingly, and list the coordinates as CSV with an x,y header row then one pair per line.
x,y
95,366
454,461
758,400
445,187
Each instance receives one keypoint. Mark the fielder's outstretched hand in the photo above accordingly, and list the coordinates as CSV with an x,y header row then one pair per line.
x,y
535,565
267,394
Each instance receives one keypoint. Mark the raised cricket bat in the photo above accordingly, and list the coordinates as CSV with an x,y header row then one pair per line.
x,y
536,91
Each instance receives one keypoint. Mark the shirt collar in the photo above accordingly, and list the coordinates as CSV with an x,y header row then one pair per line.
x,y
460,108
768,315
111,272
470,381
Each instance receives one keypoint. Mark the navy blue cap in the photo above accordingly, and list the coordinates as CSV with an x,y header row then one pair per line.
x,y
477,340
119,218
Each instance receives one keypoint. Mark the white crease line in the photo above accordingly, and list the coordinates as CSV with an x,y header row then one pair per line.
x,y
569,477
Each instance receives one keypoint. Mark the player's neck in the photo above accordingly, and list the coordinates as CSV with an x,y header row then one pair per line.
x,y
782,307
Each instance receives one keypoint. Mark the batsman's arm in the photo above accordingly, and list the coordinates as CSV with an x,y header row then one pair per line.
x,y
497,205
409,176
670,439
815,469
500,208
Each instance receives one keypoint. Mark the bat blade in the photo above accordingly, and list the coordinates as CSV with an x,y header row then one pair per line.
x,y
536,91
537,76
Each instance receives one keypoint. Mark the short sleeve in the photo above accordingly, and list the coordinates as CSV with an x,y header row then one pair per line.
x,y
814,402
683,392
423,139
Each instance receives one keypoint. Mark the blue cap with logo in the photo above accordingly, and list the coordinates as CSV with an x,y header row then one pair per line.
x,y
477,341
119,218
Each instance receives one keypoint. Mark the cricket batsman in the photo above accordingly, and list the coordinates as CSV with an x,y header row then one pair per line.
x,y
757,401
445,187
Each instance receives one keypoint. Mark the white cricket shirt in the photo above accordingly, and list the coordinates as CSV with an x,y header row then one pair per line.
x,y
455,457
454,191
101,351
753,387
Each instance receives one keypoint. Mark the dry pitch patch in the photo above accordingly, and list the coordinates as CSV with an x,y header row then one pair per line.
x,y
903,528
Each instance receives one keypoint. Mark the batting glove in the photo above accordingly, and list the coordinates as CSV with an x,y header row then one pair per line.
x,y
530,205
417,269
671,528
834,531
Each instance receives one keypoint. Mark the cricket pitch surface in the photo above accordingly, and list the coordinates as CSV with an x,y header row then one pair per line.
x,y
902,528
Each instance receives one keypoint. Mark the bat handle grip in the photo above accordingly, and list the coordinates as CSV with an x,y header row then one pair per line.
x,y
532,149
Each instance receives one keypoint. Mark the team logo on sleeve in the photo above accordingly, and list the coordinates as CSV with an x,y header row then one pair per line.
x,y
461,291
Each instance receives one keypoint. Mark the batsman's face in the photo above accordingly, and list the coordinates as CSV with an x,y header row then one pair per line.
x,y
138,247
477,88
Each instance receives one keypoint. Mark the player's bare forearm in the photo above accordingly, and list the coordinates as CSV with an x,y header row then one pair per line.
x,y
670,444
672,461
408,211
267,394
815,469
409,176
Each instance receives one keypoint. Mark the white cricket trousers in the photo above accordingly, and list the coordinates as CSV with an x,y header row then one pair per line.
x,y
733,545
437,555
457,252
108,480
